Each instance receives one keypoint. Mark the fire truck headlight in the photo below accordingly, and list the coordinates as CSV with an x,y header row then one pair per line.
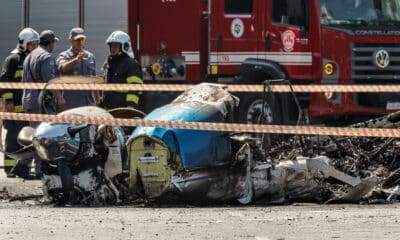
x,y
156,68
329,69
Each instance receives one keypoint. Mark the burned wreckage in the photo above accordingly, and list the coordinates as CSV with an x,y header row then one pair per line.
x,y
97,165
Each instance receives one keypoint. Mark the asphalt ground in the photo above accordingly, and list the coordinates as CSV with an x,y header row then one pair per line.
x,y
24,214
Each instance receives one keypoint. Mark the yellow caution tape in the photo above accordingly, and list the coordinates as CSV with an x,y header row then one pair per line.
x,y
183,87
226,127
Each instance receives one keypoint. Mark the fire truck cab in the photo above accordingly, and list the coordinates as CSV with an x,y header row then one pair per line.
x,y
249,41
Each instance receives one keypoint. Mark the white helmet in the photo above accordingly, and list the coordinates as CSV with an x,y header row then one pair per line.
x,y
122,38
26,36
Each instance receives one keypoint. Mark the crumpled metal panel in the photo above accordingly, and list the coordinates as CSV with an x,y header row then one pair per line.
x,y
94,169
152,160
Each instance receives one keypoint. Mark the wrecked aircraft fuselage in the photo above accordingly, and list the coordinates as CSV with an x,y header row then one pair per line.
x,y
214,166
158,155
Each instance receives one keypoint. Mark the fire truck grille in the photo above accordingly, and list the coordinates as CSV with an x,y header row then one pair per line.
x,y
366,71
389,101
364,65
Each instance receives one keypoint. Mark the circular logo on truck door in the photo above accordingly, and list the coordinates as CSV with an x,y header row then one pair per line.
x,y
382,59
237,28
288,40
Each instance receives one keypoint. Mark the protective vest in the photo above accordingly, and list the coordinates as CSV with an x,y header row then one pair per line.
x,y
122,69
12,72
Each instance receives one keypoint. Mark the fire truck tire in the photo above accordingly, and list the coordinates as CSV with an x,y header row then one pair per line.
x,y
250,110
251,105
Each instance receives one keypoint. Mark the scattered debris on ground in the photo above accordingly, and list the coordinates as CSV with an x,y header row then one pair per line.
x,y
106,165
376,159
16,189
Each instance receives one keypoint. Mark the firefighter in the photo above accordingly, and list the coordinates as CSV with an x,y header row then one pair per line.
x,y
121,67
28,40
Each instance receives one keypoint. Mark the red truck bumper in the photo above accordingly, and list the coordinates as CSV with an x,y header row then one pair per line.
x,y
346,105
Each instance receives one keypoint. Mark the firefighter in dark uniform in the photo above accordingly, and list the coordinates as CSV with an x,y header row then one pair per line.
x,y
121,67
28,40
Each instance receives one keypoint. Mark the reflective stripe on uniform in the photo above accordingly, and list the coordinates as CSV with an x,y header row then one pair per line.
x,y
10,162
132,98
134,79
8,95
19,109
18,74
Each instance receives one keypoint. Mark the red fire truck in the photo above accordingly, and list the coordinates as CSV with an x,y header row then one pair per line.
x,y
249,41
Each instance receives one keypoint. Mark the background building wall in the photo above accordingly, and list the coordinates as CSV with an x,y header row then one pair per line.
x,y
58,16
100,18
10,25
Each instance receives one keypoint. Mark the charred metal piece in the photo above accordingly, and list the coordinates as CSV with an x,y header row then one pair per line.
x,y
80,162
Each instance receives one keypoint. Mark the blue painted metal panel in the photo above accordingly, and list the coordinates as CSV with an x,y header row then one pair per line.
x,y
197,149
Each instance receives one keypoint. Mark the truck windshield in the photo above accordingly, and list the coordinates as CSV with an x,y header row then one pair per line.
x,y
360,12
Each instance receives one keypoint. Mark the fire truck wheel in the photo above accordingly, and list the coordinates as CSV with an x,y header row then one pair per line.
x,y
252,107
250,110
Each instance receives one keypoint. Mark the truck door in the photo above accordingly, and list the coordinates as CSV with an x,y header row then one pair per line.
x,y
234,34
290,37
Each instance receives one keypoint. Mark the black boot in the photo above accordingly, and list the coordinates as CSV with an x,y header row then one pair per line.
x,y
67,181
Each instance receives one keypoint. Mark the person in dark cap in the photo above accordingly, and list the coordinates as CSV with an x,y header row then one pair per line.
x,y
39,67
77,61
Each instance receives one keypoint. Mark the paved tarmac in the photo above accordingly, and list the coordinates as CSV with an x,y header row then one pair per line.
x,y
25,215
